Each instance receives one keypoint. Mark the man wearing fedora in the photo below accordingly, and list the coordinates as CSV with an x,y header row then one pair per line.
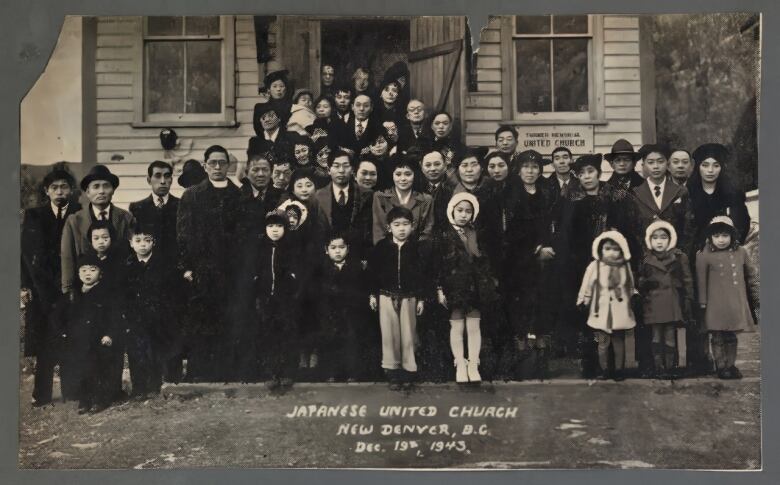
x,y
623,160
98,185
41,235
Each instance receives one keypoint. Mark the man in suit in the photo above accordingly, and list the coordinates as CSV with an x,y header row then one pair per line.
x,y
658,197
158,213
207,233
345,207
343,100
41,235
98,185
258,196
413,132
361,129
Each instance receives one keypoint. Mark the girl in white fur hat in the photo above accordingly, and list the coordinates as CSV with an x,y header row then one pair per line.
x,y
607,290
666,285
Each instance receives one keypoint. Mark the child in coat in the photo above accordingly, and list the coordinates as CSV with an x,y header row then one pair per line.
x,y
666,286
148,283
276,291
341,297
606,292
91,334
465,284
728,293
396,266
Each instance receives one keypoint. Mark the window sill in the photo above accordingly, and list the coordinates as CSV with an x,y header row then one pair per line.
x,y
554,122
185,124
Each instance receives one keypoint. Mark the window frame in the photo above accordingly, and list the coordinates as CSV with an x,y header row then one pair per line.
x,y
227,116
595,112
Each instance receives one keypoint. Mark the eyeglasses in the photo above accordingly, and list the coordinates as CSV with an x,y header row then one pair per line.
x,y
417,109
217,163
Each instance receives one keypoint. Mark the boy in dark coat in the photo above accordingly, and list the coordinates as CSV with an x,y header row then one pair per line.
x,y
341,299
148,285
92,333
399,284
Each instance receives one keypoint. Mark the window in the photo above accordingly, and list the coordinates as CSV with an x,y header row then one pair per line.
x,y
553,70
187,71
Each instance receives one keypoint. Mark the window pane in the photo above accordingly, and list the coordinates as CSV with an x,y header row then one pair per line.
x,y
204,81
533,75
202,26
532,24
164,77
165,25
570,73
570,24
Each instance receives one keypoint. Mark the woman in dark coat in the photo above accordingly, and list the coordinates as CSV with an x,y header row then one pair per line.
x,y
713,194
325,111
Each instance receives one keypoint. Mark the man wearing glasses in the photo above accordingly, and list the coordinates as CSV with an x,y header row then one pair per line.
x,y
412,133
206,233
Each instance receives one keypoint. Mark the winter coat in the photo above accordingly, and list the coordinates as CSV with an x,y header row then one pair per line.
x,y
467,281
342,296
420,204
301,117
666,286
250,220
400,271
722,202
148,289
613,314
729,287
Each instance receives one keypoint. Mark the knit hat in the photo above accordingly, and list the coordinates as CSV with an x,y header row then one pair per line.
x,y
711,150
460,197
277,216
721,224
661,224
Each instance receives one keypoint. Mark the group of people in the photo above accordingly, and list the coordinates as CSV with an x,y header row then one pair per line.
x,y
351,227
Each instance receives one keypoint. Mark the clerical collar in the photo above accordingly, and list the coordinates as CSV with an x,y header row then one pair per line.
x,y
219,184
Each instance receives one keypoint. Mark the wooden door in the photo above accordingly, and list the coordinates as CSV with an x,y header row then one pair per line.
x,y
295,49
437,64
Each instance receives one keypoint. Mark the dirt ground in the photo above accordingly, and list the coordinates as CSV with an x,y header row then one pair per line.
x,y
563,423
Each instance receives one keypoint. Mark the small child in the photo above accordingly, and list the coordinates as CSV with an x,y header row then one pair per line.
x,y
728,293
666,285
396,266
607,290
341,303
148,284
275,297
91,337
465,284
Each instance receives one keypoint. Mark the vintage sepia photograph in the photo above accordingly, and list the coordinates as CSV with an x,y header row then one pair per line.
x,y
392,243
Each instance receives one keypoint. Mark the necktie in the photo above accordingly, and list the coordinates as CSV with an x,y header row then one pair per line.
x,y
342,198
160,202
417,132
359,130
103,215
657,191
59,213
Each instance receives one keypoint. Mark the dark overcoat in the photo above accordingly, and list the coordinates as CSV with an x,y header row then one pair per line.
x,y
466,280
163,222
666,286
728,286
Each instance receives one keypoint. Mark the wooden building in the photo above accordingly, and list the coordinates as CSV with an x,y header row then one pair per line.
x,y
582,81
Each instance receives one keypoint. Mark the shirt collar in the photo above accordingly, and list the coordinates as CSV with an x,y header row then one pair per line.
x,y
271,135
337,190
165,198
220,185
96,211
54,208
144,260
256,192
654,185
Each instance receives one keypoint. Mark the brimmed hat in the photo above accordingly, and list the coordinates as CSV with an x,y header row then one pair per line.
x,y
622,147
655,148
396,72
612,235
99,172
531,156
263,108
192,173
593,160
711,150
460,197
661,224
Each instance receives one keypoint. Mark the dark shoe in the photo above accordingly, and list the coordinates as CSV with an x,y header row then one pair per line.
x,y
272,384
97,408
84,408
724,374
618,376
601,375
40,403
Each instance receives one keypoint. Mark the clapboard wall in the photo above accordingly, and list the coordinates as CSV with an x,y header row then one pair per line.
x,y
118,40
621,77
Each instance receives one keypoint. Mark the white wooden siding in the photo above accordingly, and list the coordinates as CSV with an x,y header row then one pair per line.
x,y
117,137
622,106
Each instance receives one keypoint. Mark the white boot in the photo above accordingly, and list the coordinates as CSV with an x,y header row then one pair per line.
x,y
461,372
473,371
